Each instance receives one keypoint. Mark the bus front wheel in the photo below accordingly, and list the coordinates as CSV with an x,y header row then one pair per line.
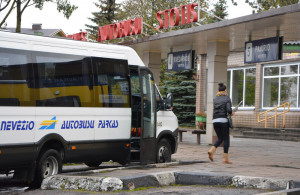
x,y
163,151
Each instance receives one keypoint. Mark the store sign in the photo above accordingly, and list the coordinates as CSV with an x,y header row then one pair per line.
x,y
182,60
182,15
172,16
263,50
119,30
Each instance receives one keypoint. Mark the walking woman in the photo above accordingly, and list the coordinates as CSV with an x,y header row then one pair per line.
x,y
222,107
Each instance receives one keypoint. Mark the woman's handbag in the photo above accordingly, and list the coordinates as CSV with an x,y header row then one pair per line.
x,y
230,124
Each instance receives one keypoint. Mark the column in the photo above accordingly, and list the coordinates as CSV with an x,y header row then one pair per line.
x,y
201,83
153,61
217,53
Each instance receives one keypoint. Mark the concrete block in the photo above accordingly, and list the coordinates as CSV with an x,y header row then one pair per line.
x,y
165,178
95,184
193,178
260,182
111,184
296,184
132,182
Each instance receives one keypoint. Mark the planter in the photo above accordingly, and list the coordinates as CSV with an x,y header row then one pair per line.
x,y
200,119
201,122
202,125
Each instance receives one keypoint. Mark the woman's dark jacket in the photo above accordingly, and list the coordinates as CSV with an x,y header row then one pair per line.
x,y
222,106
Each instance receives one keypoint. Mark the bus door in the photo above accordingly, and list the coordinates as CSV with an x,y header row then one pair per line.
x,y
148,115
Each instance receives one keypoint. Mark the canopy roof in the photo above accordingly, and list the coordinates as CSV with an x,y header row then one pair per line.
x,y
282,21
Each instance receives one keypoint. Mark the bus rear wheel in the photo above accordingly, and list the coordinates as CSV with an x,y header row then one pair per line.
x,y
163,151
48,164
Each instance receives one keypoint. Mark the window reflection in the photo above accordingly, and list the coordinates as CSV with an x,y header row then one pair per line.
x,y
271,92
242,87
279,89
288,91
237,86
250,87
271,71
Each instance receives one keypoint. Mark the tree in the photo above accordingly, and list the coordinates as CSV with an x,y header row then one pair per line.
x,y
21,5
263,5
183,87
219,10
109,13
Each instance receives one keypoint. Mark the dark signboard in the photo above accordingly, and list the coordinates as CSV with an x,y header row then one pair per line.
x,y
182,60
263,50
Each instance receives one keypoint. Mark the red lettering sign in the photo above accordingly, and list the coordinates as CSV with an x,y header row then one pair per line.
x,y
161,22
176,12
122,29
169,15
78,36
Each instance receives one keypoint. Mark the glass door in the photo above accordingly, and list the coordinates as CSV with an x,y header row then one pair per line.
x,y
148,132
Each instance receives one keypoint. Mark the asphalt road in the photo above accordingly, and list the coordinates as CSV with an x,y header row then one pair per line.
x,y
180,190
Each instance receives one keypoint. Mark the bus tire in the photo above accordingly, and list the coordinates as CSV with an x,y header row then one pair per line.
x,y
92,163
163,151
122,162
48,164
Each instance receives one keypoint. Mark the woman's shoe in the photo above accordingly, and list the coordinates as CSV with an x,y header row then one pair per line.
x,y
225,159
211,152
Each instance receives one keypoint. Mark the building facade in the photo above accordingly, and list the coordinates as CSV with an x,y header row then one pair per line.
x,y
260,86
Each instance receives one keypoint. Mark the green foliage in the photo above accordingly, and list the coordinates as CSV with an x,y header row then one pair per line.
x,y
183,87
263,5
63,6
219,10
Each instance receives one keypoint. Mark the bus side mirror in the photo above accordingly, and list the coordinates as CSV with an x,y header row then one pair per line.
x,y
169,101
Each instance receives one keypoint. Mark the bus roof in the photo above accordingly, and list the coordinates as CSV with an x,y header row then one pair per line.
x,y
11,40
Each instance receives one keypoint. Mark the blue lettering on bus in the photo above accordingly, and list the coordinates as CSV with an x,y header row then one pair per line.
x,y
108,124
78,124
17,125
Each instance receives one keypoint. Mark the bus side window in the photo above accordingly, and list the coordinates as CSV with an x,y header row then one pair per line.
x,y
63,80
15,73
111,82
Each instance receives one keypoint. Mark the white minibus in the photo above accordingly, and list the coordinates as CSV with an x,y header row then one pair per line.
x,y
66,101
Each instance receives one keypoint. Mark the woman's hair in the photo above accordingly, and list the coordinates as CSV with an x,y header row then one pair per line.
x,y
222,87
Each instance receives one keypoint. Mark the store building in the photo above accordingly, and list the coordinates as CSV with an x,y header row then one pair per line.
x,y
220,57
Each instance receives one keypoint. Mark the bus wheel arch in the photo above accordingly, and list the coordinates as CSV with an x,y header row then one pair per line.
x,y
52,141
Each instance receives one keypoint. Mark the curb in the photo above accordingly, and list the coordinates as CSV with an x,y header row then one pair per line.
x,y
284,192
97,184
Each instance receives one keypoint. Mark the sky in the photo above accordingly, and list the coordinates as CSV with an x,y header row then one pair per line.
x,y
50,18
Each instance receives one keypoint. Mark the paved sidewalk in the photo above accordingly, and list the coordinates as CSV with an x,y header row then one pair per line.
x,y
250,157
269,159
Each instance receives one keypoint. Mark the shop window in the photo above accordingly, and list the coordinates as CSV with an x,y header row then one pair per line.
x,y
280,85
241,86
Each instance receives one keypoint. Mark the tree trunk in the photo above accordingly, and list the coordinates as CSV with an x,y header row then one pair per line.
x,y
19,16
